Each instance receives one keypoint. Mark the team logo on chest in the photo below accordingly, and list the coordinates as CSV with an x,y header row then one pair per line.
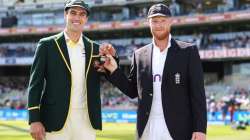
x,y
177,78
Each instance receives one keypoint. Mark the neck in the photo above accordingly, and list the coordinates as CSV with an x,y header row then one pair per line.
x,y
74,36
161,43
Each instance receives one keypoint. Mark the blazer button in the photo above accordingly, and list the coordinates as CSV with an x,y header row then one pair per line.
x,y
147,113
150,94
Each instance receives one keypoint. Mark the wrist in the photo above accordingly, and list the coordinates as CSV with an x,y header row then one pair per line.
x,y
112,70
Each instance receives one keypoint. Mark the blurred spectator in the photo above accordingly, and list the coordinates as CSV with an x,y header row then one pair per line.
x,y
175,8
224,110
232,107
125,13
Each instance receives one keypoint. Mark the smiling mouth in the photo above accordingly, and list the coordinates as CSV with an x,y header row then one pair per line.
x,y
76,23
158,30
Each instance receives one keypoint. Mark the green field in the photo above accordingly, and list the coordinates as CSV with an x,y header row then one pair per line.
x,y
18,130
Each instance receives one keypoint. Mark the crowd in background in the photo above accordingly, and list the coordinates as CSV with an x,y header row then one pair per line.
x,y
12,18
126,46
113,98
235,99
220,98
226,41
13,95
17,49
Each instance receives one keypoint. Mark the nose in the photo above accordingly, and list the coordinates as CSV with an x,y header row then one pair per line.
x,y
77,17
159,24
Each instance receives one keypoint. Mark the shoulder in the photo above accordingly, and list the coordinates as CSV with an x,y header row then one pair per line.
x,y
49,38
184,45
143,49
47,42
85,38
89,43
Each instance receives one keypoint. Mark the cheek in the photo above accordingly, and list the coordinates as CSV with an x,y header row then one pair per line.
x,y
65,18
155,27
84,20
166,28
68,19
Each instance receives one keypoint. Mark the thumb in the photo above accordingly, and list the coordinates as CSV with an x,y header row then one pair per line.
x,y
109,56
193,137
43,133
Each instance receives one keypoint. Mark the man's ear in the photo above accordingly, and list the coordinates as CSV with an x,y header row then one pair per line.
x,y
65,13
87,18
171,20
148,21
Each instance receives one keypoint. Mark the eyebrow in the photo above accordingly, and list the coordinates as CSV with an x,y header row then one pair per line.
x,y
73,10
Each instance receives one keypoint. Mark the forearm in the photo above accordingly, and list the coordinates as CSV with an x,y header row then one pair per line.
x,y
36,83
119,79
197,92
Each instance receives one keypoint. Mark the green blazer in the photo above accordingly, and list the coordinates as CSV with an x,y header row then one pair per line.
x,y
50,83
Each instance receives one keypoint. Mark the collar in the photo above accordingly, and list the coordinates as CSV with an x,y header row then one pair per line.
x,y
80,41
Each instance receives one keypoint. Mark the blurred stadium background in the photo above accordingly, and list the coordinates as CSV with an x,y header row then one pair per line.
x,y
219,28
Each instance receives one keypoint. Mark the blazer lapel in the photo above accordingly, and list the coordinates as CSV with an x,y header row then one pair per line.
x,y
88,46
169,60
148,55
61,43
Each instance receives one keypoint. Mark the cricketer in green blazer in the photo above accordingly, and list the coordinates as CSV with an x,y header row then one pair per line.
x,y
50,84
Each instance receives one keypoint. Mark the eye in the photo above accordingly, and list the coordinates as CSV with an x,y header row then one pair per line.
x,y
83,14
73,13
154,21
163,20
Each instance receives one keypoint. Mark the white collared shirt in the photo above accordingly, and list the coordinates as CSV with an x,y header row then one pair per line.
x,y
77,63
156,119
158,63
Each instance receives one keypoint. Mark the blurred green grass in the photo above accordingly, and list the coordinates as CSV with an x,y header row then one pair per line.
x,y
18,130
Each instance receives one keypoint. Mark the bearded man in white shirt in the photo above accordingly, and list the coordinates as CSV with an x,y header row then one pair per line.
x,y
167,77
